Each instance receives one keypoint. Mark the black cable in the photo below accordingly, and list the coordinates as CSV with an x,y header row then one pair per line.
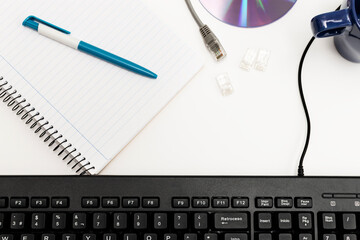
x,y
308,122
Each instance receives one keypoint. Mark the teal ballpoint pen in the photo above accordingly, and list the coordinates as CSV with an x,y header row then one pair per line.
x,y
63,36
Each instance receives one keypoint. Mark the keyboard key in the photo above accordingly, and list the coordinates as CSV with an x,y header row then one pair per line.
x,y
79,221
3,202
109,236
220,203
110,202
6,237
303,202
210,236
150,203
328,221
230,220
240,202
349,237
150,236
349,221
48,237
200,221
90,202
131,202
200,202
235,236
39,202
27,237
284,202
2,221
99,221
140,221
265,236
120,220
17,221
305,236
60,202
58,221
89,237
160,220
305,221
180,221
264,202
329,237
180,203
264,221
19,203
170,236
285,236
130,236
38,221
190,236
284,221
68,237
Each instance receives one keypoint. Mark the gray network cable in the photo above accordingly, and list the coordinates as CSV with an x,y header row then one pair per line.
x,y
211,41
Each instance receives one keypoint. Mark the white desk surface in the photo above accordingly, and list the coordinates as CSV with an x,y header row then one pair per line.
x,y
259,130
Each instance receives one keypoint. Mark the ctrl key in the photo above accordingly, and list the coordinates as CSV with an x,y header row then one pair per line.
x,y
235,236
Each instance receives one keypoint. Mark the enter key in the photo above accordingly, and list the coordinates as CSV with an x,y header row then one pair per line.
x,y
231,220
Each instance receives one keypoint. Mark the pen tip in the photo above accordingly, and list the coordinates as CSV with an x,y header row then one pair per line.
x,y
153,75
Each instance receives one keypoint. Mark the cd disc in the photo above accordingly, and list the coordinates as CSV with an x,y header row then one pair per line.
x,y
248,13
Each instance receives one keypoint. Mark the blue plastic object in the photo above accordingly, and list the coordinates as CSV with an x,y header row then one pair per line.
x,y
33,22
112,58
344,26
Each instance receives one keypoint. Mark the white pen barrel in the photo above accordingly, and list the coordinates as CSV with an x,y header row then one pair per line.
x,y
58,36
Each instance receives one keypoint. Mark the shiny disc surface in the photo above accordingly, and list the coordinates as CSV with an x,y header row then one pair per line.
x,y
248,13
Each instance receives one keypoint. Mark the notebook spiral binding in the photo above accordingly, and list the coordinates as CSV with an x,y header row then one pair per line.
x,y
46,131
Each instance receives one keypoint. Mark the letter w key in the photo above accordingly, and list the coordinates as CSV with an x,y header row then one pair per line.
x,y
6,237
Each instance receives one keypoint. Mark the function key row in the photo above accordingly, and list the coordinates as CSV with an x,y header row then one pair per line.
x,y
35,202
216,202
86,202
114,202
241,202
154,202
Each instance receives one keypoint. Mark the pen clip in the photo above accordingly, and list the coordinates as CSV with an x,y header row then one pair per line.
x,y
33,22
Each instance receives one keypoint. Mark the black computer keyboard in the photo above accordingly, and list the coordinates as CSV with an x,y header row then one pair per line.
x,y
179,208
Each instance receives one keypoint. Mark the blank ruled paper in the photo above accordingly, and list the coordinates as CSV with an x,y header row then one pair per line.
x,y
97,106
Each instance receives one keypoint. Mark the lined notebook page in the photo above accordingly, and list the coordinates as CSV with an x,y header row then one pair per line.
x,y
97,106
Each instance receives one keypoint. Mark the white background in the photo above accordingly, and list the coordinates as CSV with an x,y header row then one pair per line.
x,y
259,130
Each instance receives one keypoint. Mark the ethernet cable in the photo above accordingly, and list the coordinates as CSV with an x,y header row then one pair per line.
x,y
211,41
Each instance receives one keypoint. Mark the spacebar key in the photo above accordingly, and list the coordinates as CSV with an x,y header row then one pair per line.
x,y
231,220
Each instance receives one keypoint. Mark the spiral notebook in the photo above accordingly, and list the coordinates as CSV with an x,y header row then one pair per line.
x,y
85,109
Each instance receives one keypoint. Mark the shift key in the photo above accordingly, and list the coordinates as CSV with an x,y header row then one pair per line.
x,y
231,220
